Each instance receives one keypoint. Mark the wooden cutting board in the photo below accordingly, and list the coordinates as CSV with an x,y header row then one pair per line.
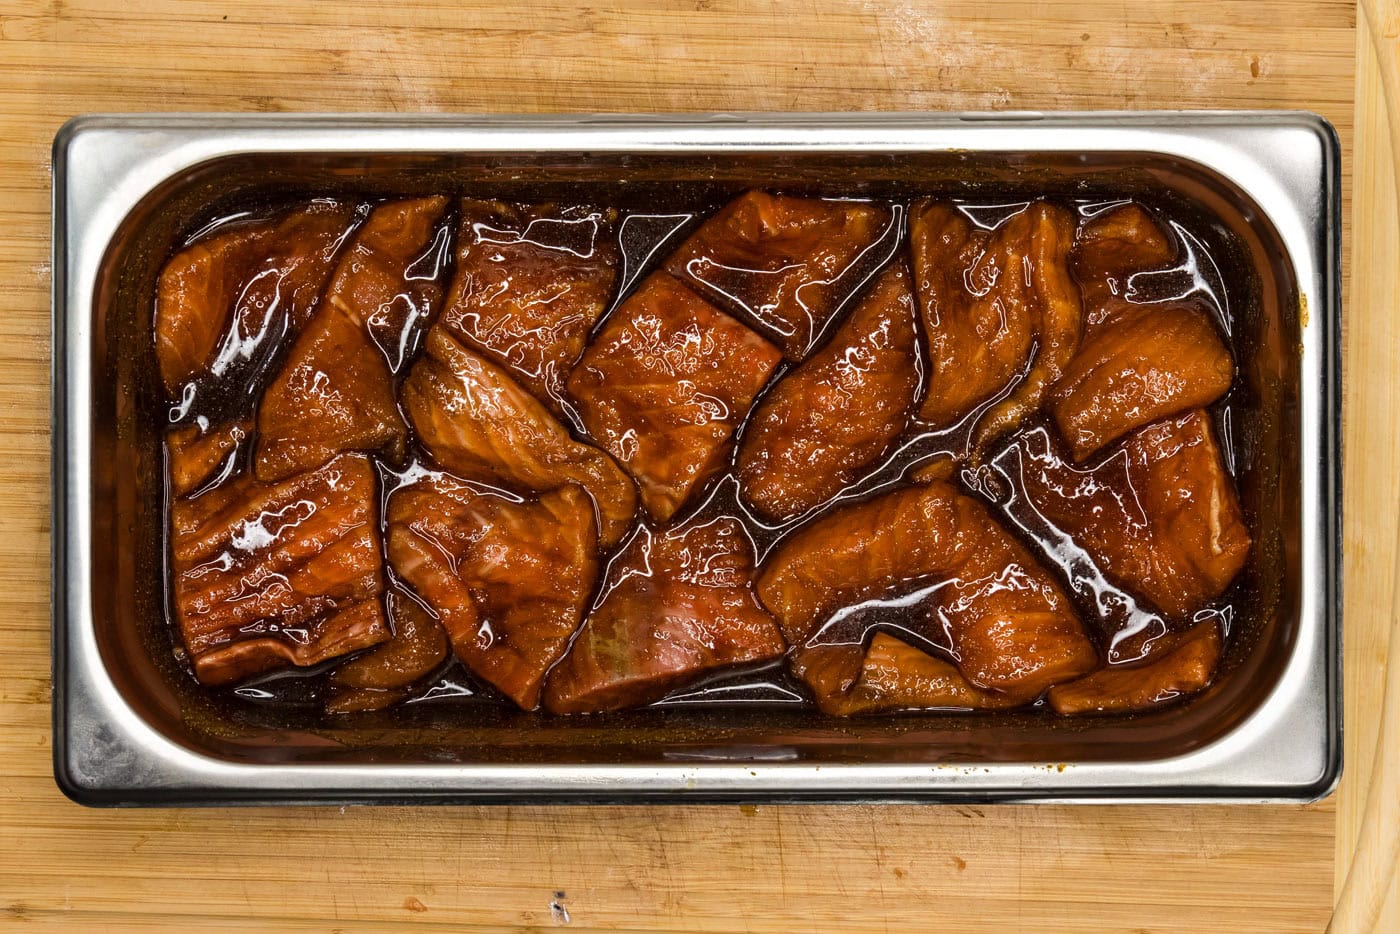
x,y
1161,868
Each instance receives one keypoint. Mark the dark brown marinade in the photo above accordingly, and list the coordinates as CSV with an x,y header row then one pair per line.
x,y
1126,630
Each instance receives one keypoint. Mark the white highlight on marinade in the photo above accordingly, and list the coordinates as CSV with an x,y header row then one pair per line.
x,y
253,534
237,345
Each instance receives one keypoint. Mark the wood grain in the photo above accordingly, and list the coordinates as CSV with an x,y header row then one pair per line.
x,y
1370,789
682,868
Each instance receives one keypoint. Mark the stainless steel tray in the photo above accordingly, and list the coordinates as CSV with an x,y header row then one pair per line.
x,y
125,732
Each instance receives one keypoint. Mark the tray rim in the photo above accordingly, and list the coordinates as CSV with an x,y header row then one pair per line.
x,y
1288,750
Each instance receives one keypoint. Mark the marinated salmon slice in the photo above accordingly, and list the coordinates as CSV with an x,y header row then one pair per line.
x,y
1001,314
194,456
849,680
335,392
676,604
480,425
840,411
507,577
267,575
1112,246
787,264
383,676
195,297
1139,362
964,584
1177,667
664,386
1158,513
225,304
1143,364
531,281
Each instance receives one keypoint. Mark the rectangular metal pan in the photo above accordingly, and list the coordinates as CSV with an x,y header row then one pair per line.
x,y
129,732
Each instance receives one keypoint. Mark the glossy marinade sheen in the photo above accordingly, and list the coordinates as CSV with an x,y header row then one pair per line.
x,y
418,435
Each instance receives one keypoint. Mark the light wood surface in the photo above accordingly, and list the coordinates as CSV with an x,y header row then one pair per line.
x,y
1370,789
684,868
